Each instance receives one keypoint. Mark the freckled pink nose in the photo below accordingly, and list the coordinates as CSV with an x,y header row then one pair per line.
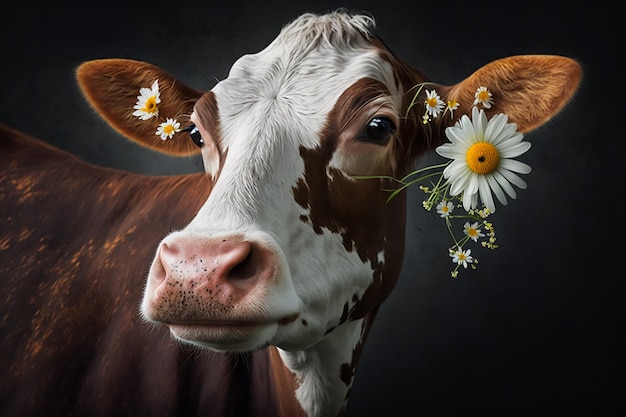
x,y
195,278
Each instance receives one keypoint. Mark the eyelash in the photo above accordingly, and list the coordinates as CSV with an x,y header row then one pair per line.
x,y
195,135
372,132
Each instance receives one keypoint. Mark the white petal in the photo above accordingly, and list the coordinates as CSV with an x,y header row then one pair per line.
x,y
469,201
463,121
506,186
458,186
456,170
457,136
468,130
143,92
497,190
448,150
472,185
485,193
515,166
514,150
495,127
513,178
508,136
479,119
474,200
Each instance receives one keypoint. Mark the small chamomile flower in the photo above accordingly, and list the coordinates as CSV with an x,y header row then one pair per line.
x,y
483,96
452,106
433,102
147,101
461,257
167,129
473,231
481,151
444,208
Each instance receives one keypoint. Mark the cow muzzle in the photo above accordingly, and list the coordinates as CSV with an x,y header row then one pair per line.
x,y
228,293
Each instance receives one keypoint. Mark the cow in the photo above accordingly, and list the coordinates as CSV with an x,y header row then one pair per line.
x,y
248,289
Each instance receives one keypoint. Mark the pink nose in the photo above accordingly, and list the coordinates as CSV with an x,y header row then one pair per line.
x,y
196,279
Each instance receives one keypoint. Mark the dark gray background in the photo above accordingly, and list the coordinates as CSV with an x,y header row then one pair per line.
x,y
538,328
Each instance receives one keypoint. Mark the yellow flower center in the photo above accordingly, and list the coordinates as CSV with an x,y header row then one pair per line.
x,y
483,95
482,157
151,105
169,129
432,102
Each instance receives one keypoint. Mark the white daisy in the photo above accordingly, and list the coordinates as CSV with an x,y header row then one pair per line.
x,y
473,231
444,208
147,100
483,96
167,129
481,150
461,257
433,103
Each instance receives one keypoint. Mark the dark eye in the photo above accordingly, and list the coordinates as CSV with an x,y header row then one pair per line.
x,y
378,130
195,135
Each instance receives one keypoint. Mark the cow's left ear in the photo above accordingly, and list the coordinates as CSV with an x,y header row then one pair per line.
x,y
529,89
141,101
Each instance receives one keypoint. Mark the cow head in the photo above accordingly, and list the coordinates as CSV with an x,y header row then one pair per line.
x,y
290,246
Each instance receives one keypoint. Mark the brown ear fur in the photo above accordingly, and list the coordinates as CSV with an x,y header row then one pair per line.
x,y
112,85
530,89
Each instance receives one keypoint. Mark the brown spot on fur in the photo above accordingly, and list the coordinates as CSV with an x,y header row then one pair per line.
x,y
286,384
329,196
5,243
26,188
289,319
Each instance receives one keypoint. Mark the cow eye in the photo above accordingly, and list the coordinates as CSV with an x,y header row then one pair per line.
x,y
378,130
194,132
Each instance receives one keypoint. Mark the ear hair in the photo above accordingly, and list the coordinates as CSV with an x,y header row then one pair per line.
x,y
111,86
529,89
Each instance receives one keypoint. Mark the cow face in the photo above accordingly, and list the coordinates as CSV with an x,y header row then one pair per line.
x,y
292,243
280,253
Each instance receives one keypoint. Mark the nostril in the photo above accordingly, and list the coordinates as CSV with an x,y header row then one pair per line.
x,y
169,249
158,273
245,269
241,261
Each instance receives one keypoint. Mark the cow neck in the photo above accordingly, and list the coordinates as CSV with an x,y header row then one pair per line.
x,y
320,377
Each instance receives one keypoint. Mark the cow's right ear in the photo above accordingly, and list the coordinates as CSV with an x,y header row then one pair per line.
x,y
529,89
141,101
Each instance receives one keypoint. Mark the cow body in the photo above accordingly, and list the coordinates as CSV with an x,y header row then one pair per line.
x,y
72,343
267,272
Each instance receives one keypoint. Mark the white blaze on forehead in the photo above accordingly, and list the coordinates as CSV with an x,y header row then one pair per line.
x,y
294,83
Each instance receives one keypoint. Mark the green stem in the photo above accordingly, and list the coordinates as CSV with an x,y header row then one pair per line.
x,y
407,184
419,171
419,90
